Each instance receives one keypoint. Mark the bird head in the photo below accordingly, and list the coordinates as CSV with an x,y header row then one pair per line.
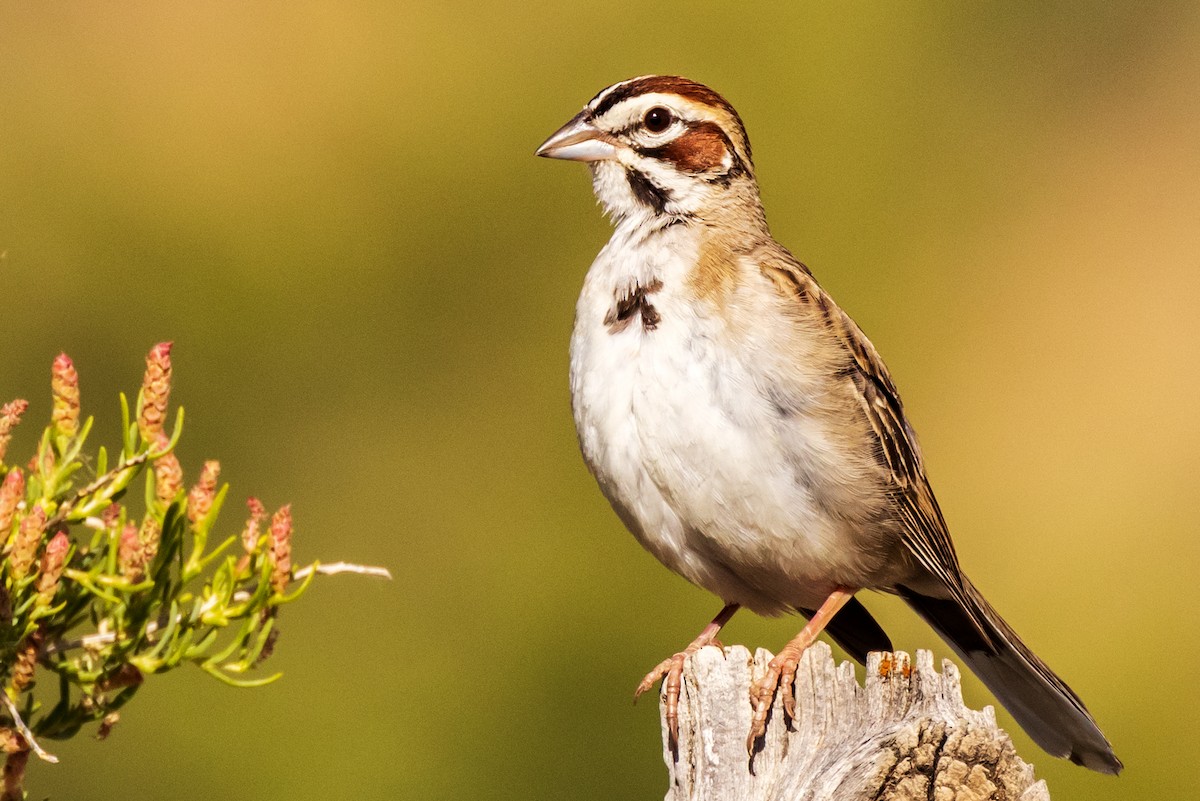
x,y
661,146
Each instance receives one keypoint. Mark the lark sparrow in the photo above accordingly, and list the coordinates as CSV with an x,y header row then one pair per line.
x,y
743,426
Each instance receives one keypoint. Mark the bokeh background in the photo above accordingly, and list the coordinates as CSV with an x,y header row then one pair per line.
x,y
334,211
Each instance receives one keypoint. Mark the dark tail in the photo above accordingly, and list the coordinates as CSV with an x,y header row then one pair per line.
x,y
1047,709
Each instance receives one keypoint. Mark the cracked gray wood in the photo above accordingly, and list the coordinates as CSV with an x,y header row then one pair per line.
x,y
905,735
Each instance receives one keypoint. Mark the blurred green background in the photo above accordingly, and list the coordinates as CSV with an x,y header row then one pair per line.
x,y
334,211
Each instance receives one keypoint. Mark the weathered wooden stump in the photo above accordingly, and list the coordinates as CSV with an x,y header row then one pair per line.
x,y
905,735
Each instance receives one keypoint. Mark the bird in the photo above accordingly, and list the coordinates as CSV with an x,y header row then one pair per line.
x,y
746,430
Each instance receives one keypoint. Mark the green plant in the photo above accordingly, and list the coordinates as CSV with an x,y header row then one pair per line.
x,y
103,592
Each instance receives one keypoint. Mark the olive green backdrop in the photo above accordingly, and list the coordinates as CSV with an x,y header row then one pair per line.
x,y
334,211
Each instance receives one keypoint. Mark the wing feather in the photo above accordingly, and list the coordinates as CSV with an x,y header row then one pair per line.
x,y
925,533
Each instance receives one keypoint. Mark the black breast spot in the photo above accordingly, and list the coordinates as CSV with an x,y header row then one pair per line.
x,y
634,302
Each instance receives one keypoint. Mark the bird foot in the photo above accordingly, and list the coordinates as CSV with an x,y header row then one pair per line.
x,y
670,670
780,676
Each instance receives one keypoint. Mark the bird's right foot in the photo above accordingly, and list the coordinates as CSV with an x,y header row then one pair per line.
x,y
670,670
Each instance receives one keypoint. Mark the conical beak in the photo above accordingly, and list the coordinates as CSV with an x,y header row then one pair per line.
x,y
578,140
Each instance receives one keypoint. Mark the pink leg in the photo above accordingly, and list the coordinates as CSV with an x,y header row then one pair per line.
x,y
781,671
672,669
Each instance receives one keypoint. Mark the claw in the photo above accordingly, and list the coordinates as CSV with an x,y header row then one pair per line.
x,y
670,670
787,681
780,671
660,670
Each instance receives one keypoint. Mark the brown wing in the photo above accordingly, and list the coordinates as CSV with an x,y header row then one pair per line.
x,y
925,532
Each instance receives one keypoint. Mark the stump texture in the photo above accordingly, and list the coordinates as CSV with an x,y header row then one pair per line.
x,y
905,735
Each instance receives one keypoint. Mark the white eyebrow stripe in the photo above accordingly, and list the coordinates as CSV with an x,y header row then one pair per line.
x,y
629,110
595,101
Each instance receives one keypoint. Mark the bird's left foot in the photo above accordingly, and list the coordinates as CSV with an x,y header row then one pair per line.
x,y
780,676
781,671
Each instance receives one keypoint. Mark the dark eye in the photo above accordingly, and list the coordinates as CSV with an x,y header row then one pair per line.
x,y
658,119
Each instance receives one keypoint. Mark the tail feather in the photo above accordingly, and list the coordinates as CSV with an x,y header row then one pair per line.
x,y
1045,707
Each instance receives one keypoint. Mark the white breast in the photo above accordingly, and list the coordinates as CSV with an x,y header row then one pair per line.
x,y
685,443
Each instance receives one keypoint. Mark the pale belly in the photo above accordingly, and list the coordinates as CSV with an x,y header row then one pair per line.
x,y
699,464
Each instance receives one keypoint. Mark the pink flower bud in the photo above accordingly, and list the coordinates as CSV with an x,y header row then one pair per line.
x,y
137,548
11,493
131,559
64,384
25,545
10,415
258,513
200,498
149,535
281,548
156,390
27,653
168,474
53,559
41,462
